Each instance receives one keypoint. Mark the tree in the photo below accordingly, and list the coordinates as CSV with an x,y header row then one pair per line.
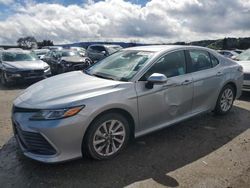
x,y
27,42
225,44
45,43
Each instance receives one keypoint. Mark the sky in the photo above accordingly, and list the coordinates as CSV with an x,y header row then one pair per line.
x,y
154,21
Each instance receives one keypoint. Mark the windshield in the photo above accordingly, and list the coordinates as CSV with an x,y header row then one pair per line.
x,y
244,56
121,66
11,56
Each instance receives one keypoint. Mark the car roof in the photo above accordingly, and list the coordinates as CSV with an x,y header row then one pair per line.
x,y
106,45
159,48
17,51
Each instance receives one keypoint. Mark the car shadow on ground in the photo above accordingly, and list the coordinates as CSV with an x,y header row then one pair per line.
x,y
151,156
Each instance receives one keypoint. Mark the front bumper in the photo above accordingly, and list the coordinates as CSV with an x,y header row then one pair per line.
x,y
27,75
246,85
49,141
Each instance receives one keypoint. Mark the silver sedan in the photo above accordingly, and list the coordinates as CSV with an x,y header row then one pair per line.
x,y
128,94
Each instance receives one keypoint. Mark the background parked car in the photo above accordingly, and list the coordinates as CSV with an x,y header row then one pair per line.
x,y
53,47
228,53
238,51
41,52
66,60
97,52
244,60
81,51
21,65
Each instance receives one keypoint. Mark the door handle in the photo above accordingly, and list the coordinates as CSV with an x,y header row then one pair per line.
x,y
219,73
186,82
169,85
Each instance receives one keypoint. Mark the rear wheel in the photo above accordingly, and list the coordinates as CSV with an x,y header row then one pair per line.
x,y
225,100
107,136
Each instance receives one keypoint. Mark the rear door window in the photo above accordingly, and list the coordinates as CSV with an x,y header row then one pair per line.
x,y
200,60
214,60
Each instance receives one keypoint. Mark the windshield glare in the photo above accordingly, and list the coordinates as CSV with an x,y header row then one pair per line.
x,y
114,49
121,66
244,56
10,56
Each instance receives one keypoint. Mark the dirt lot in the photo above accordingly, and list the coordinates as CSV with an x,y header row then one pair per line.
x,y
206,151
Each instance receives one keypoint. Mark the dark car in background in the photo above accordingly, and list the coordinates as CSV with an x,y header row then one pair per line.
x,y
228,53
97,52
80,50
21,65
66,60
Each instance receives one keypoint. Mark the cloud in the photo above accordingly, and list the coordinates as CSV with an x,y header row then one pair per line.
x,y
6,2
157,21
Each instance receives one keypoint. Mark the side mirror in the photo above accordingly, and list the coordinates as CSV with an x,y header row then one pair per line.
x,y
156,78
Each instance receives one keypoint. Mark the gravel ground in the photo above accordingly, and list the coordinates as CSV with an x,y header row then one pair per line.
x,y
206,151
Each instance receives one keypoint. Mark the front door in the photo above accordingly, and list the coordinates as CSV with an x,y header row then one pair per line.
x,y
169,102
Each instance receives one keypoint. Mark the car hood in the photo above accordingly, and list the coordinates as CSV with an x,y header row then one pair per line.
x,y
24,65
73,59
245,65
64,90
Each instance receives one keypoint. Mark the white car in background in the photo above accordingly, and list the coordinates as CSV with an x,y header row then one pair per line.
x,y
21,65
41,52
244,60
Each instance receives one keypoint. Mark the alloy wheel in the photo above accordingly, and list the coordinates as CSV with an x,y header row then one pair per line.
x,y
109,137
226,101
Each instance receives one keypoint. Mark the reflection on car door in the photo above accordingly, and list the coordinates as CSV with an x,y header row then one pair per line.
x,y
168,102
207,77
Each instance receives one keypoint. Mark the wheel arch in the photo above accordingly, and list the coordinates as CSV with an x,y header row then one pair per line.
x,y
121,111
233,84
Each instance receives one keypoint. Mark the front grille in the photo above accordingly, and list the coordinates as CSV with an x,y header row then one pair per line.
x,y
246,76
246,86
31,73
34,142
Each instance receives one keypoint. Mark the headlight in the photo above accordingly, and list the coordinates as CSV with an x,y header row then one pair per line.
x,y
56,114
46,68
11,70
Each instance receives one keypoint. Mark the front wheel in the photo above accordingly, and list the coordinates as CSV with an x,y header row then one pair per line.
x,y
4,82
225,100
107,136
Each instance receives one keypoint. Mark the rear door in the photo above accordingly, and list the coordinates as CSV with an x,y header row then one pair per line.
x,y
207,77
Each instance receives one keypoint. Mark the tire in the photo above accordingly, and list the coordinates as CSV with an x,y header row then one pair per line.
x,y
88,63
4,82
225,100
101,144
